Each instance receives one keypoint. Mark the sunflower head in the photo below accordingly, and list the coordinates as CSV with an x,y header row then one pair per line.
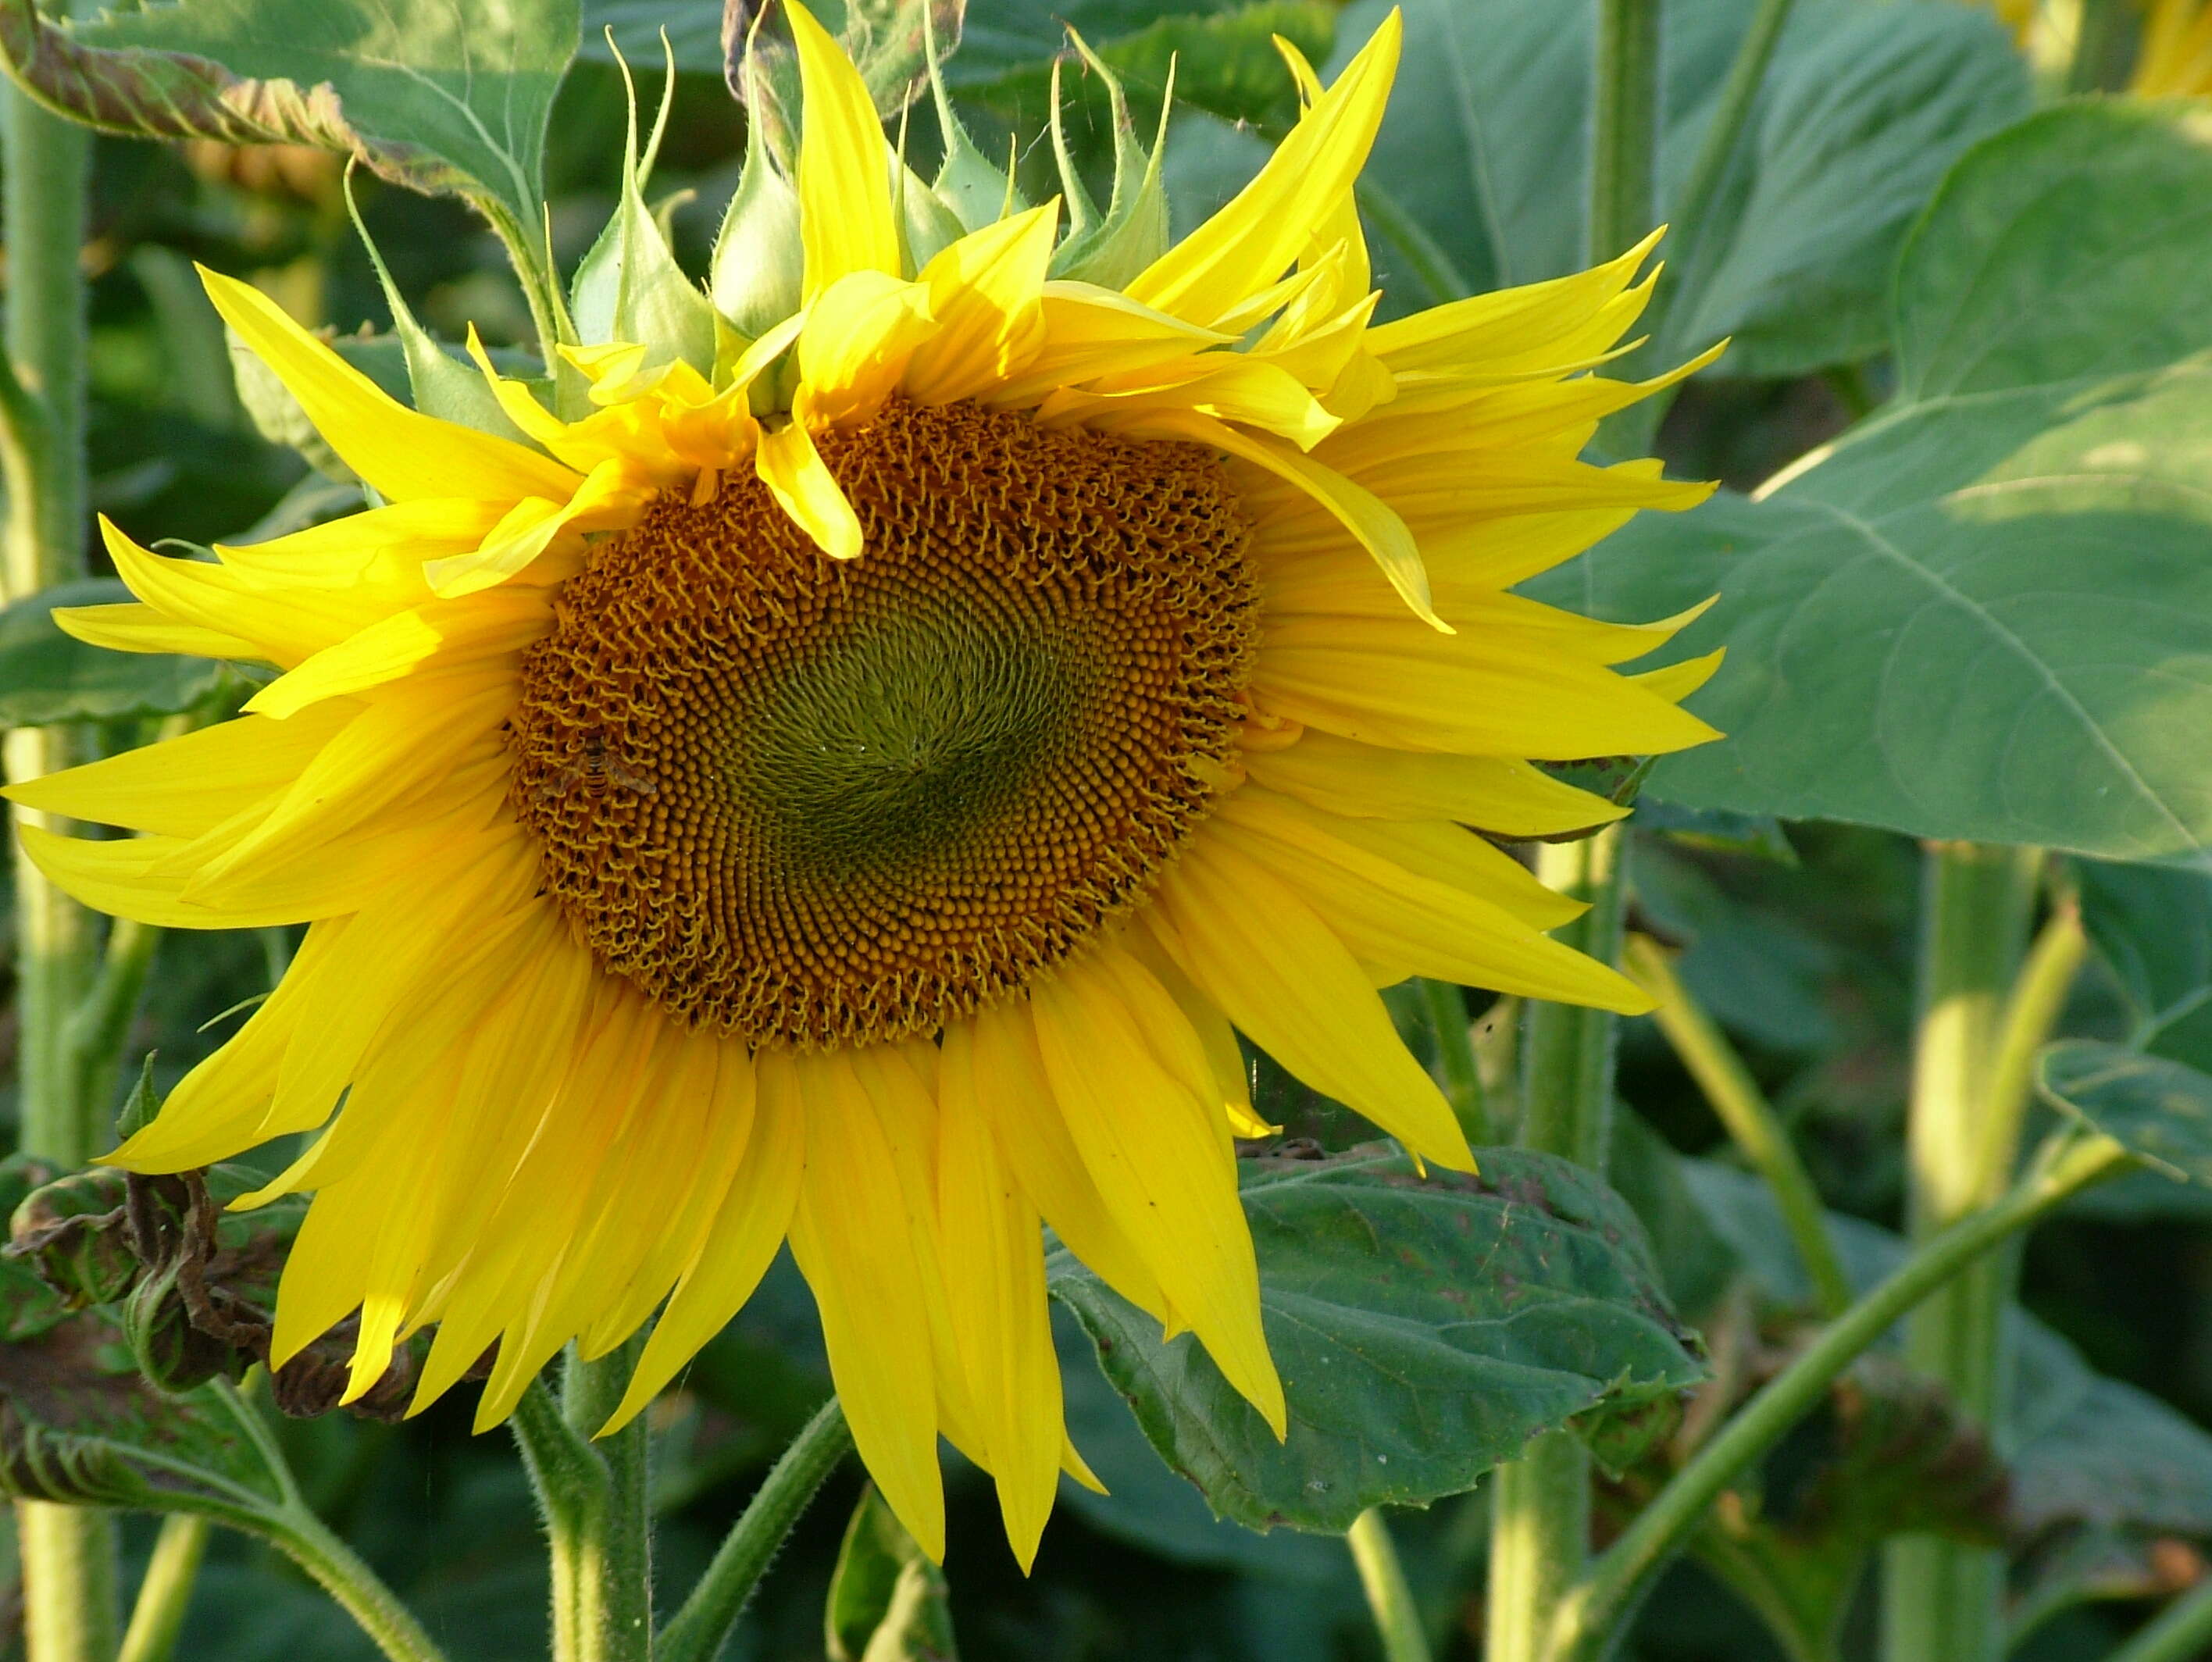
x,y
857,760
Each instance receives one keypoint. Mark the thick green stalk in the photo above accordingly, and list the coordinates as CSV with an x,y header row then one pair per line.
x,y
165,1594
592,1393
1941,1599
68,1582
1751,1121
696,1632
1591,1616
67,1553
1540,1504
592,1497
1462,1079
1397,1621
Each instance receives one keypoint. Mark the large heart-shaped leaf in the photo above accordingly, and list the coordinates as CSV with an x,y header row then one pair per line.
x,y
434,94
1426,1329
1986,613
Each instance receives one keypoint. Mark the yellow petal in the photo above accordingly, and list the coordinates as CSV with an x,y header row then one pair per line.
x,y
740,1243
183,785
1501,795
803,485
1255,947
404,454
1252,241
486,625
1392,683
986,292
1010,1081
130,627
1371,522
996,1298
859,332
1387,914
846,219
853,1238
1159,1152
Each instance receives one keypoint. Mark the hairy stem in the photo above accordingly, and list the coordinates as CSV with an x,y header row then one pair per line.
x,y
1590,1618
696,1632
1941,1599
1389,1600
592,1393
341,1572
1751,1121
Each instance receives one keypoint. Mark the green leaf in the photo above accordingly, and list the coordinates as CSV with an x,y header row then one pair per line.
x,y
1983,614
1223,57
1862,110
48,677
2153,926
443,99
887,1602
1426,1329
694,29
2160,1111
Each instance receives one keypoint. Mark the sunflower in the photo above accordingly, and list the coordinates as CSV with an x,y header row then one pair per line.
x,y
854,787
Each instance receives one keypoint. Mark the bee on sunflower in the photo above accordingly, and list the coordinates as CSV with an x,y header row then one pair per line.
x,y
848,770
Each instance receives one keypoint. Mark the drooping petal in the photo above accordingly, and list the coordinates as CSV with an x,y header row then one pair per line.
x,y
1134,1085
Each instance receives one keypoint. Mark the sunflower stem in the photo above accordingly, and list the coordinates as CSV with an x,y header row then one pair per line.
x,y
591,1393
1750,1119
1941,1599
696,1632
1389,1600
592,1498
341,1572
68,1552
1592,1615
1539,1528
1447,1010
157,1615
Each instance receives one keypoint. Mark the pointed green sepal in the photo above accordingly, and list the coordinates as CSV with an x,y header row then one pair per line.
x,y
629,287
756,273
1134,232
443,385
976,190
